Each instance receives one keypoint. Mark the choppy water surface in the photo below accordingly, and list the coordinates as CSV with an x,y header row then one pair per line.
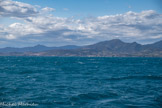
x,y
82,82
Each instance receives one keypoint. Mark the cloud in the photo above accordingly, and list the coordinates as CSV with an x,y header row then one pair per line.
x,y
47,29
48,9
9,8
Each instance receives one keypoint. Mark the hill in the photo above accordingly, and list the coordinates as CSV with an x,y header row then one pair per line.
x,y
111,48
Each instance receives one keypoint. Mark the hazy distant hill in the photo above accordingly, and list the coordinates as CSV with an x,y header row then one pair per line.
x,y
157,46
109,48
115,46
37,48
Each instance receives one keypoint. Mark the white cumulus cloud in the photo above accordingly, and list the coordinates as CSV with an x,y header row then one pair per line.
x,y
47,9
49,29
9,8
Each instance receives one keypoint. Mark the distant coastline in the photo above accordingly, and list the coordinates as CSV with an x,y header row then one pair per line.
x,y
111,48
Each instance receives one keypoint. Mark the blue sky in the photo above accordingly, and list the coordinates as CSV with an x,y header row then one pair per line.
x,y
78,22
84,8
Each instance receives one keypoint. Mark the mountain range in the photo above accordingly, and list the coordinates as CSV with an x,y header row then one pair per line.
x,y
111,48
37,48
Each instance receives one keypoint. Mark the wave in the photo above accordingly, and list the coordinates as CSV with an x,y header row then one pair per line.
x,y
149,77
86,97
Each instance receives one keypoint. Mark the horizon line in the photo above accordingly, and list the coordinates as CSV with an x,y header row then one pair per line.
x,y
81,45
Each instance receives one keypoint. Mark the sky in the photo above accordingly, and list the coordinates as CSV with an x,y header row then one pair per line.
x,y
78,22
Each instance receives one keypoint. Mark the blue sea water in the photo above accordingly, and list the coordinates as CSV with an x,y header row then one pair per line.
x,y
81,82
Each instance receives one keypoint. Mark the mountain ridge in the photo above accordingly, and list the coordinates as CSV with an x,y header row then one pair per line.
x,y
109,48
36,48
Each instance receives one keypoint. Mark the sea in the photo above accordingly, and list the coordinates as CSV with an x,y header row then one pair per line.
x,y
80,82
